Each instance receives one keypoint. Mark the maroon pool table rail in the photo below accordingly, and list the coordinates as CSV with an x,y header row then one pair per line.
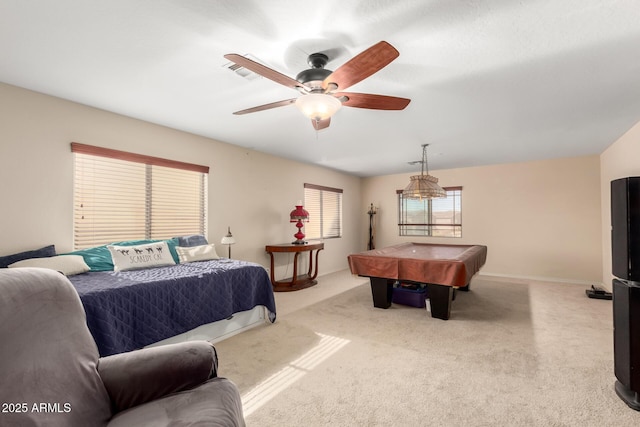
x,y
442,267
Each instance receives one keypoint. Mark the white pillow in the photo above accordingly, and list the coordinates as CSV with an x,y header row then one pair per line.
x,y
196,253
65,264
140,256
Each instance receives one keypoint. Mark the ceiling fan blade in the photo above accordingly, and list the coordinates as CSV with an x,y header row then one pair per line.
x,y
266,106
362,66
373,102
321,124
264,71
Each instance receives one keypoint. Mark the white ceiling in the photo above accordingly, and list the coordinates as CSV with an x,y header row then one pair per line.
x,y
491,81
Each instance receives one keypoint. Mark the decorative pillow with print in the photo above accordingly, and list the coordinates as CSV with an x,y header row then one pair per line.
x,y
140,256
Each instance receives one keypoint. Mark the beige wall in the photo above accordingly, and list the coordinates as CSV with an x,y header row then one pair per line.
x,y
249,191
539,219
620,160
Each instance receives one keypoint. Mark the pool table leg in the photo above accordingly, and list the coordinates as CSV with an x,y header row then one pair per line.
x,y
382,291
440,297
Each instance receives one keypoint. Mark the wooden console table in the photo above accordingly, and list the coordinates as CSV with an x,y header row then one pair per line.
x,y
296,282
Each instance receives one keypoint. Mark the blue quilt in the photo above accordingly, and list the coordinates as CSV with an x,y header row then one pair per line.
x,y
128,310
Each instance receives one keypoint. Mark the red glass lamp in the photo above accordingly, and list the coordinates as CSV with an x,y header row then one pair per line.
x,y
299,215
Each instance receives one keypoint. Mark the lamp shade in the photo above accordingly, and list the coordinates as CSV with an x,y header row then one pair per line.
x,y
299,214
423,187
228,240
318,106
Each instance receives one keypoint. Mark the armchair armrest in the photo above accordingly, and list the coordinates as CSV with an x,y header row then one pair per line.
x,y
143,375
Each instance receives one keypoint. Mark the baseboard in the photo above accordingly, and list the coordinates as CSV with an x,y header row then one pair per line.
x,y
517,277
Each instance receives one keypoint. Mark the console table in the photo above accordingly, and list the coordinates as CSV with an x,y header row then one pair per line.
x,y
296,282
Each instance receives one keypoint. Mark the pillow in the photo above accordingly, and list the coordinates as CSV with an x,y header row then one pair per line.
x,y
65,264
99,258
47,251
197,253
194,240
140,256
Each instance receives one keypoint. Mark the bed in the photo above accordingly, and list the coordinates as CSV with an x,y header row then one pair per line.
x,y
442,267
127,310
141,293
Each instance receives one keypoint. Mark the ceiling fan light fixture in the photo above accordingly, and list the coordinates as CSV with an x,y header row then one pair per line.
x,y
318,106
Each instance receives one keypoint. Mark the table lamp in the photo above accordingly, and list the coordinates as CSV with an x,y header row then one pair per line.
x,y
228,240
299,215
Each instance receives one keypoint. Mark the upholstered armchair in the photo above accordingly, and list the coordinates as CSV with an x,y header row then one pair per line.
x,y
51,373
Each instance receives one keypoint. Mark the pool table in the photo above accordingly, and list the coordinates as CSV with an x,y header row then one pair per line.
x,y
443,268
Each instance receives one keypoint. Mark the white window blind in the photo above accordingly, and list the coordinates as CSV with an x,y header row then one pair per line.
x,y
440,217
324,205
123,196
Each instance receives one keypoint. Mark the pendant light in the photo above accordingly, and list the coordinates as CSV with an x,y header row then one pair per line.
x,y
423,186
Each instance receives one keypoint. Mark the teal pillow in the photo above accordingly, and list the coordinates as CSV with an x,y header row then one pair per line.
x,y
172,243
99,258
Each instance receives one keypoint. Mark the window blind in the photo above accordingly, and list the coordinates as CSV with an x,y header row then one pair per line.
x,y
324,205
124,196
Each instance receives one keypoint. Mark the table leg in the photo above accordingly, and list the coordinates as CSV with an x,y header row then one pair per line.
x,y
310,263
382,291
273,279
315,273
294,278
440,297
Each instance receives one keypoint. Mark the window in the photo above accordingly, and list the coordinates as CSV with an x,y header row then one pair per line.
x,y
124,196
324,205
441,217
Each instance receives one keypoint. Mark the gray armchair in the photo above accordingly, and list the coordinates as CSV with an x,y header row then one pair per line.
x,y
51,373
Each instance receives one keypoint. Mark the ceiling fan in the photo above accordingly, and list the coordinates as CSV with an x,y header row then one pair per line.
x,y
320,97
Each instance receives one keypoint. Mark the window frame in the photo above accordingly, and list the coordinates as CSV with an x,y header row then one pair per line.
x,y
427,229
156,170
324,233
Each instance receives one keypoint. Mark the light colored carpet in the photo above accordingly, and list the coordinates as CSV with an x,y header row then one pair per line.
x,y
514,353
